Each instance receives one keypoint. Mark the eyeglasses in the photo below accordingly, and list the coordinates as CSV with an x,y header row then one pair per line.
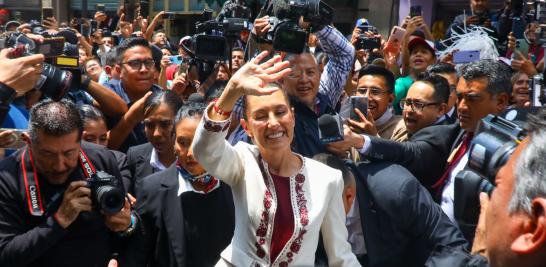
x,y
415,106
374,91
136,64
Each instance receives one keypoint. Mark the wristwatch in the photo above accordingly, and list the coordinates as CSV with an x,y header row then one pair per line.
x,y
132,226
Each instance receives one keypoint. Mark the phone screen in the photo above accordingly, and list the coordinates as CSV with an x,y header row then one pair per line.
x,y
360,103
47,12
415,11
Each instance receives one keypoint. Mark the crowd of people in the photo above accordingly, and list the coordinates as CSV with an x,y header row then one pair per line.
x,y
155,157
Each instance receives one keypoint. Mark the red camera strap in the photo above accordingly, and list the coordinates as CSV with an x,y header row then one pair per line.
x,y
32,187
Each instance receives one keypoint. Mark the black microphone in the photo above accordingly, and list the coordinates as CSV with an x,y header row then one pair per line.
x,y
330,128
196,98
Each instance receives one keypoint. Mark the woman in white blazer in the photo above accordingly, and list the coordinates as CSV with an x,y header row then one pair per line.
x,y
282,200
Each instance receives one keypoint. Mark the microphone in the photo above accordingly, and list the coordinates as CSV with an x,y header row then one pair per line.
x,y
330,128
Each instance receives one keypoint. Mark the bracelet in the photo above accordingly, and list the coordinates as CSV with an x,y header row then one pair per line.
x,y
220,111
131,228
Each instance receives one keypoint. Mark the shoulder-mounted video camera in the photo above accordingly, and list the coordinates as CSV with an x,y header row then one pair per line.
x,y
495,141
285,34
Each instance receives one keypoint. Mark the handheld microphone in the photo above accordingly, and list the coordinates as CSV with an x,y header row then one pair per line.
x,y
330,128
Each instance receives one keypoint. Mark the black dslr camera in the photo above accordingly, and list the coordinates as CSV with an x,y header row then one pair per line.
x,y
106,192
495,140
285,34
60,73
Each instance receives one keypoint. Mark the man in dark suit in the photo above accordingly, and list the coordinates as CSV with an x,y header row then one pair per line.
x,y
448,71
49,215
394,220
138,162
187,216
428,147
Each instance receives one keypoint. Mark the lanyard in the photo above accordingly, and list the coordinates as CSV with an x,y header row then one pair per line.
x,y
32,186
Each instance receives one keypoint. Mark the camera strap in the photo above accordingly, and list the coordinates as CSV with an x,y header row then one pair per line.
x,y
32,186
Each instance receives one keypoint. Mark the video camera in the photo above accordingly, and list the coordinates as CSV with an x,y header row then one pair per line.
x,y
285,34
215,36
60,72
496,139
106,192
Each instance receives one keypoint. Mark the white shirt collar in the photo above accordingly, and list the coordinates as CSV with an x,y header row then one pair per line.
x,y
185,186
155,163
385,117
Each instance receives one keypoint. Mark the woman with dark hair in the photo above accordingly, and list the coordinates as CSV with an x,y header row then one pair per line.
x,y
175,208
95,131
283,201
94,125
158,154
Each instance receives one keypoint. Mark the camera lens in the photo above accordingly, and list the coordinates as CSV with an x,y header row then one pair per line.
x,y
111,199
54,82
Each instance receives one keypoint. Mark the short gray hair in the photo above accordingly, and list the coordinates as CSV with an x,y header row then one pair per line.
x,y
530,169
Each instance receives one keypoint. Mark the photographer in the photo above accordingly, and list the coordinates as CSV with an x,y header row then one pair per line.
x,y
512,221
312,93
479,16
50,215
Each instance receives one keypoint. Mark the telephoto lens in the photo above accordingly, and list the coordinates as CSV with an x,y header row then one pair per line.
x,y
54,82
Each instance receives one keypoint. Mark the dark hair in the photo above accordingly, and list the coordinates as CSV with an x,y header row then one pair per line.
x,y
130,43
190,109
336,163
244,103
55,118
238,48
379,71
496,73
441,68
91,113
168,97
110,57
439,85
215,90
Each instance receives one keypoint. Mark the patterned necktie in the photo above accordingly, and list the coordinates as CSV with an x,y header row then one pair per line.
x,y
458,154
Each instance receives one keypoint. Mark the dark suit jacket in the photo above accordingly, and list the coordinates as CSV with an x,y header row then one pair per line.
x,y
400,221
160,238
425,154
138,161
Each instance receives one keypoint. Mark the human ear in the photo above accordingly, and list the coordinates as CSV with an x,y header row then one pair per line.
x,y
503,99
245,127
534,236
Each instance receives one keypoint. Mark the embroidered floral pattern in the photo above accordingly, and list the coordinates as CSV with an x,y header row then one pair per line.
x,y
261,232
213,126
301,202
304,219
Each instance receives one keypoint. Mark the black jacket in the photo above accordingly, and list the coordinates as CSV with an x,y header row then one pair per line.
x,y
138,161
27,240
400,221
425,154
163,236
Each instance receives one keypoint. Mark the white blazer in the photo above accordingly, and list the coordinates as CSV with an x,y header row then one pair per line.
x,y
316,196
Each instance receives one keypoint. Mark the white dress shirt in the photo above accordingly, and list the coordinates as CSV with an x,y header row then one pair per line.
x,y
155,163
448,194
354,226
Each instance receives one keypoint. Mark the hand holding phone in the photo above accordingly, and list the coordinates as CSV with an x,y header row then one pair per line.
x,y
416,11
360,103
461,57
11,138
